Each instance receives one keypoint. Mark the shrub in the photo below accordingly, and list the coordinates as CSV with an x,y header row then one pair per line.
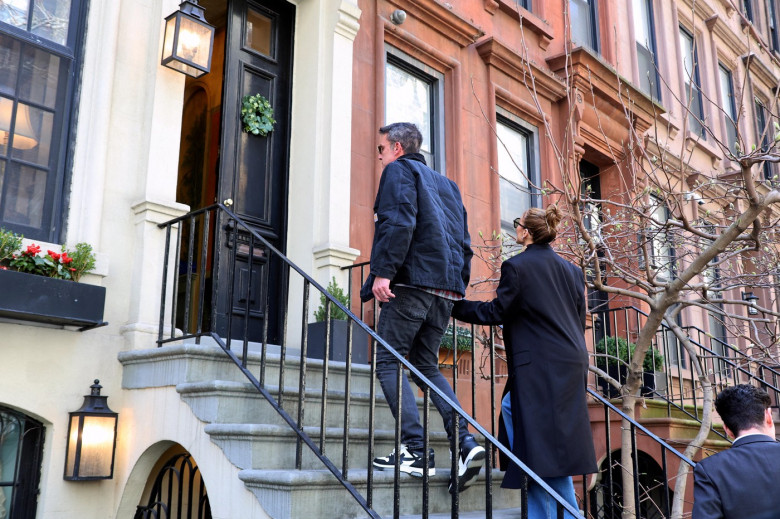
x,y
619,348
464,339
9,243
336,313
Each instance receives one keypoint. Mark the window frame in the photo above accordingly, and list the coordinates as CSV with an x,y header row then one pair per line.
x,y
594,37
772,25
762,118
531,134
661,246
695,110
729,119
25,485
65,115
655,86
435,79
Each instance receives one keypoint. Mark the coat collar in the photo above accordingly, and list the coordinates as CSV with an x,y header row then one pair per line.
x,y
413,156
753,438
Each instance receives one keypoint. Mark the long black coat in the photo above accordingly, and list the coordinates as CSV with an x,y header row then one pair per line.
x,y
739,483
540,300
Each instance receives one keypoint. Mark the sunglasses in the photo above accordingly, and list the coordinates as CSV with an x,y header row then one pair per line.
x,y
516,223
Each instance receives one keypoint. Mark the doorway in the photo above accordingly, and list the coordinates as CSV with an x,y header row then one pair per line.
x,y
248,174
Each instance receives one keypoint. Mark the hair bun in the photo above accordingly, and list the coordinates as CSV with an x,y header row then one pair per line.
x,y
553,216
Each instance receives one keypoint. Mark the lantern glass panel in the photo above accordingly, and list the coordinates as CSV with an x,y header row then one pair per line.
x,y
97,445
194,42
72,444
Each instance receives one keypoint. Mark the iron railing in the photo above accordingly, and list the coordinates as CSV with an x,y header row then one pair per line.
x,y
601,494
677,384
217,280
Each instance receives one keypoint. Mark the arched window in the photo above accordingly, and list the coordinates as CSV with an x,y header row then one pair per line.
x,y
21,447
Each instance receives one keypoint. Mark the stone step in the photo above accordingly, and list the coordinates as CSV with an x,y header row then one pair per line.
x,y
317,493
240,402
263,446
177,363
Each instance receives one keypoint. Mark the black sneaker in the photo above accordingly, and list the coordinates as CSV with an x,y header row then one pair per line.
x,y
411,462
470,462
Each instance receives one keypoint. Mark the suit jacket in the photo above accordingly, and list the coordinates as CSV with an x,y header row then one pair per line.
x,y
540,300
739,483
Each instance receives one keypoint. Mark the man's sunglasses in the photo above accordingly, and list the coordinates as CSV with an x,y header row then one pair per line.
x,y
517,223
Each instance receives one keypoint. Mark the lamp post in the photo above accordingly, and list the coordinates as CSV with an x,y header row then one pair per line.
x,y
189,40
91,439
751,299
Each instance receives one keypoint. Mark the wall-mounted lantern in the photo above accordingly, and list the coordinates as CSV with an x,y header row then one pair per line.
x,y
751,299
189,40
91,439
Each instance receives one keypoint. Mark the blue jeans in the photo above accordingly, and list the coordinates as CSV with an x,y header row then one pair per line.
x,y
413,323
540,504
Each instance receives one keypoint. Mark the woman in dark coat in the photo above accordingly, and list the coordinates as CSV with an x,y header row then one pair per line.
x,y
540,301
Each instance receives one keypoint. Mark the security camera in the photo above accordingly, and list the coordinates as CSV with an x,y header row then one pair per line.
x,y
693,196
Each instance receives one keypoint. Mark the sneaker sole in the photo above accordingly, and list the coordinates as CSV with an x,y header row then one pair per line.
x,y
472,467
418,473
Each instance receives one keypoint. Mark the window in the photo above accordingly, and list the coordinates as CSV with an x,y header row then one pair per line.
x,y
517,165
715,315
21,448
728,107
661,248
584,23
762,132
692,83
598,300
774,41
414,93
39,52
747,9
644,34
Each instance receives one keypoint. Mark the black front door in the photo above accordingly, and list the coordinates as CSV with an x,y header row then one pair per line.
x,y
253,170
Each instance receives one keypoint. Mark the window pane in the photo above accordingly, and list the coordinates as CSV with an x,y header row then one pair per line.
x,y
9,64
24,197
514,171
15,12
581,22
32,134
686,46
51,19
727,104
641,23
258,32
408,99
40,77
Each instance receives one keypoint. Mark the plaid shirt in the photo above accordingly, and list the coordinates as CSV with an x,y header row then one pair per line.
x,y
446,294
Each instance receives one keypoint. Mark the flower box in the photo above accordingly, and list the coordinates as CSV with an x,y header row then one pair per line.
x,y
40,299
338,342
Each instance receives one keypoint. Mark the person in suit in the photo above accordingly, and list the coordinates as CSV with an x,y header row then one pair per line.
x,y
741,482
540,301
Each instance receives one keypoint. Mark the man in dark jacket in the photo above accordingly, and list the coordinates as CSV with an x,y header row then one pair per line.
x,y
741,482
420,265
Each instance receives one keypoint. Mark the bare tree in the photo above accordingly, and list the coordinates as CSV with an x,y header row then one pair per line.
x,y
665,234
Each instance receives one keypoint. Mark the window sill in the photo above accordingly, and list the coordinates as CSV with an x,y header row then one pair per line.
x,y
693,141
528,19
34,299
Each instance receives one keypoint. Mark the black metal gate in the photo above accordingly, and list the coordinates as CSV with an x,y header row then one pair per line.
x,y
178,492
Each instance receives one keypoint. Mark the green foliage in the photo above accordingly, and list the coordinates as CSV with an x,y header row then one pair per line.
x,y
83,259
464,339
623,350
10,242
336,313
257,115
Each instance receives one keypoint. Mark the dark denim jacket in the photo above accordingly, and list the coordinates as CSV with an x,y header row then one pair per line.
x,y
421,235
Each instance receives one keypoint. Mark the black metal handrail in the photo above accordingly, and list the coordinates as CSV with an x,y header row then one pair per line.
x,y
601,496
728,366
249,251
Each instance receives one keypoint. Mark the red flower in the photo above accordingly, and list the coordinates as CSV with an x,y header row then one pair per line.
x,y
72,269
3,268
54,255
65,259
33,249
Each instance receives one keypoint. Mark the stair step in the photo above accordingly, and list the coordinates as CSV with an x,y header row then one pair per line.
x,y
309,493
265,446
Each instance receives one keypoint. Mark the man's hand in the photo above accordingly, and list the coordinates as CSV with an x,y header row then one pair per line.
x,y
382,290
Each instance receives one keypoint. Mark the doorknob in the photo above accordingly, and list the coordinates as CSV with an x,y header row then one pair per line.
x,y
228,202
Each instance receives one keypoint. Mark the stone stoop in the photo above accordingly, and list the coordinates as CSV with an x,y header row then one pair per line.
x,y
258,441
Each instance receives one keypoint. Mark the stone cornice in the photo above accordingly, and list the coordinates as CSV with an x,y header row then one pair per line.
x,y
498,55
348,23
587,72
721,30
701,8
526,18
758,69
441,18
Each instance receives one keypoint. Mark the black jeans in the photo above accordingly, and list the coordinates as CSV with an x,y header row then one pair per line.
x,y
413,323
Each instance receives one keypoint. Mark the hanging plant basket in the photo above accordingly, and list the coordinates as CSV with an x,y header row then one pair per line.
x,y
257,115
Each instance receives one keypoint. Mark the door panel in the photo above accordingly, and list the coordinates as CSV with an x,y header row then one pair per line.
x,y
254,169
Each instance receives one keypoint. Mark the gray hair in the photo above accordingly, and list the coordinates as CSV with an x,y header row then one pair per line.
x,y
405,133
